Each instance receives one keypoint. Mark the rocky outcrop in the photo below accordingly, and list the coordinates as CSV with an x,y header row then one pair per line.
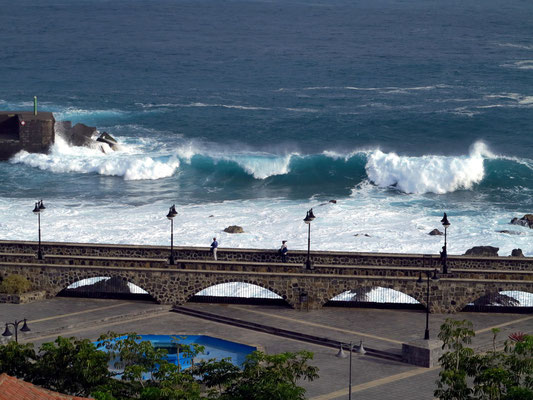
x,y
510,232
517,253
526,220
110,140
234,229
435,232
483,251
83,136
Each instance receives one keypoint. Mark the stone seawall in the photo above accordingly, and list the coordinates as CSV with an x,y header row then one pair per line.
x,y
270,256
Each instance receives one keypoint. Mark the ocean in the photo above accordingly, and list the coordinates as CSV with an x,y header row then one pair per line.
x,y
251,112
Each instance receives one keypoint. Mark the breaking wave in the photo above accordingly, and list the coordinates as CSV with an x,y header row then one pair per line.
x,y
63,158
436,174
140,159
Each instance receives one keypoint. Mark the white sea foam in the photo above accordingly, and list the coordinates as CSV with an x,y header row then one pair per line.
x,y
335,155
73,113
234,106
303,109
387,89
523,64
435,174
63,158
262,166
519,98
370,211
517,46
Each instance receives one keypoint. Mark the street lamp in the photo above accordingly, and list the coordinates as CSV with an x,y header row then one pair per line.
x,y
171,214
420,281
39,208
15,325
342,354
308,218
444,252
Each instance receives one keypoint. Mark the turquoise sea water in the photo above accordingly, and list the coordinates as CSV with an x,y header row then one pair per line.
x,y
255,111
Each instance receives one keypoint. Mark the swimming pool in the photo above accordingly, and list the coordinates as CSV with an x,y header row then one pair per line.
x,y
214,348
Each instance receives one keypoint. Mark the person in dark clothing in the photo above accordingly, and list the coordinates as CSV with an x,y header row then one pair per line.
x,y
214,247
283,251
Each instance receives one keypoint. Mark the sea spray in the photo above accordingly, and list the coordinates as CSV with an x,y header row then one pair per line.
x,y
66,159
428,174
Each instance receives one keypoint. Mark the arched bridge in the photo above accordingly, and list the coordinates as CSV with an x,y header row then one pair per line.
x,y
469,278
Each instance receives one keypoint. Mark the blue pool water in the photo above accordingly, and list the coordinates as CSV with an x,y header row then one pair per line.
x,y
214,348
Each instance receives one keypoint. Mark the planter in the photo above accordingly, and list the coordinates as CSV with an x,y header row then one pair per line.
x,y
23,297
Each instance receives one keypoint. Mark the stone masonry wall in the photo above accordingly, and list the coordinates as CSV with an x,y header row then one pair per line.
x,y
176,286
271,256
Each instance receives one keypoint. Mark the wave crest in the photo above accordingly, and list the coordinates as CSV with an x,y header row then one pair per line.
x,y
66,159
428,174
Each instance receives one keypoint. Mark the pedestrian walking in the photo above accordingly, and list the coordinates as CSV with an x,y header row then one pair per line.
x,y
214,247
283,251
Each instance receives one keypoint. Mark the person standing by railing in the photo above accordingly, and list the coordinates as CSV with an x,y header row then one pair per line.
x,y
214,247
283,251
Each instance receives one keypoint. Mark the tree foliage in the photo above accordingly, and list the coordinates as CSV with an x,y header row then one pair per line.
x,y
140,371
495,375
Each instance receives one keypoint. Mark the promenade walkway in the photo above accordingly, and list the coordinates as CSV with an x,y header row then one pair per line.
x,y
372,378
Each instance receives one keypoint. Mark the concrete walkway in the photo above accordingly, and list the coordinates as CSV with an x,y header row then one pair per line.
x,y
372,378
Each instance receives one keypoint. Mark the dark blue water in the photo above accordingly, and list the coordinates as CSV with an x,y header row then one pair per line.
x,y
237,100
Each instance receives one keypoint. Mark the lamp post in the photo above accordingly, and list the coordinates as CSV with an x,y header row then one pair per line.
x,y
39,208
420,281
342,354
444,253
171,214
15,325
308,218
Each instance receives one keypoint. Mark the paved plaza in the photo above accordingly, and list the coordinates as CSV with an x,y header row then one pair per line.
x,y
372,378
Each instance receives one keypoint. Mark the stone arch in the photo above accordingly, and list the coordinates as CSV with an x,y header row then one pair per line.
x,y
506,299
475,293
78,275
250,286
411,289
262,283
387,295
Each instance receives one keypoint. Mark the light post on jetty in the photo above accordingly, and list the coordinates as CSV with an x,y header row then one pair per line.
x,y
308,218
342,354
39,208
420,281
7,332
171,214
444,253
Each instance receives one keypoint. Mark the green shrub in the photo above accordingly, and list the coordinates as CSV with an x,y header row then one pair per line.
x,y
15,284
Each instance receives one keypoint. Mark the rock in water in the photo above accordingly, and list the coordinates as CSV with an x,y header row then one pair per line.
x,y
234,229
80,135
517,253
483,251
435,232
510,232
110,140
526,220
